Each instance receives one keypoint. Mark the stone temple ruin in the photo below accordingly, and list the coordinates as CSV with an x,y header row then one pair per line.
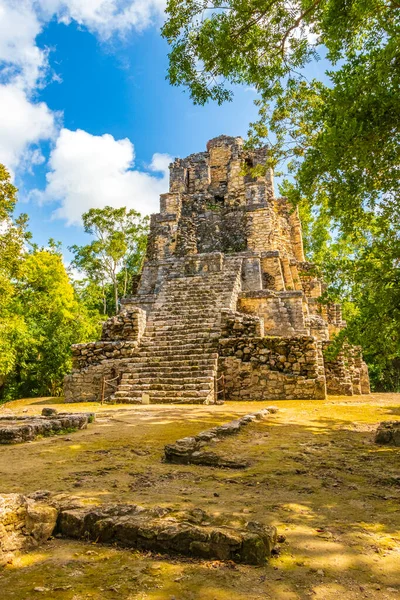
x,y
226,305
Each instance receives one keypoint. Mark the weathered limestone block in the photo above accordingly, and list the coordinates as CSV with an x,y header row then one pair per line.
x,y
128,325
16,429
236,324
388,433
24,524
160,530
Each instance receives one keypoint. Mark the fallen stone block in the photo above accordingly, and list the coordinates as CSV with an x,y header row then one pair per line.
x,y
160,530
24,524
16,429
388,432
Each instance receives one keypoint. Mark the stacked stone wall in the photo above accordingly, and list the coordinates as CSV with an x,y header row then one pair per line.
x,y
85,385
236,324
127,325
346,373
93,353
271,368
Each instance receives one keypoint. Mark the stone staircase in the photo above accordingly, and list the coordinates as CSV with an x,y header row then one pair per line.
x,y
177,357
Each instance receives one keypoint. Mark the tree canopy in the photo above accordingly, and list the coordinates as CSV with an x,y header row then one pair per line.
x,y
117,251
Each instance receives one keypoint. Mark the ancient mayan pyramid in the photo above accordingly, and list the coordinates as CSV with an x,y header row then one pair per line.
x,y
226,304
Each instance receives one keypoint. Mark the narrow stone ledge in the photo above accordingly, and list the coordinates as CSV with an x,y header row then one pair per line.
x,y
388,433
191,450
16,429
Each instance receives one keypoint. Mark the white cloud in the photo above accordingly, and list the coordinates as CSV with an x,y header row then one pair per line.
x,y
106,17
23,125
89,171
20,59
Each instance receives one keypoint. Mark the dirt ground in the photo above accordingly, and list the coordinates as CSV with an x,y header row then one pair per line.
x,y
315,474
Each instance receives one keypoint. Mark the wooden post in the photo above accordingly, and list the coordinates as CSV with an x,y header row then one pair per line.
x,y
103,385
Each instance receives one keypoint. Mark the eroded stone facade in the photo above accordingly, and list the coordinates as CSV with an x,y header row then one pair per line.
x,y
226,299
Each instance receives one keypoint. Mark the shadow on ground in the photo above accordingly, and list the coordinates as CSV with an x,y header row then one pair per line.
x,y
315,473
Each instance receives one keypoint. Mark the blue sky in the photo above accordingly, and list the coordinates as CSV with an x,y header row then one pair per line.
x,y
93,119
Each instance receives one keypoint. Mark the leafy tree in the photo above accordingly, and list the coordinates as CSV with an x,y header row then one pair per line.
x,y
40,313
13,235
54,319
117,251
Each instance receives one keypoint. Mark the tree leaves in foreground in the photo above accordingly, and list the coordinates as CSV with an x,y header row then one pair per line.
x,y
116,253
343,135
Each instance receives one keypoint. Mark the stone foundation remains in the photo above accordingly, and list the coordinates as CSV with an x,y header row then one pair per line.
x,y
226,303
25,522
16,429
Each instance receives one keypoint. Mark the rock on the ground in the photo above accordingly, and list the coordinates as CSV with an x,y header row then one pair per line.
x,y
48,412
388,432
24,524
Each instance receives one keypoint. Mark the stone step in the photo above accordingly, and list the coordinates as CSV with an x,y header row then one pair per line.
x,y
169,371
163,400
188,312
166,384
166,355
197,327
183,345
176,363
178,337
159,394
169,367
169,377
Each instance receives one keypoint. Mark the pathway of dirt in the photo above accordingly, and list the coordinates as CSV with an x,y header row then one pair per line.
x,y
315,473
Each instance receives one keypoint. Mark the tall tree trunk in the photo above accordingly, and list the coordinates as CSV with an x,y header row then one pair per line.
x,y
104,298
116,296
125,280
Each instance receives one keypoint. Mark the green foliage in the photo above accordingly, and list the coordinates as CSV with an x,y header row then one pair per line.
x,y
116,253
41,314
